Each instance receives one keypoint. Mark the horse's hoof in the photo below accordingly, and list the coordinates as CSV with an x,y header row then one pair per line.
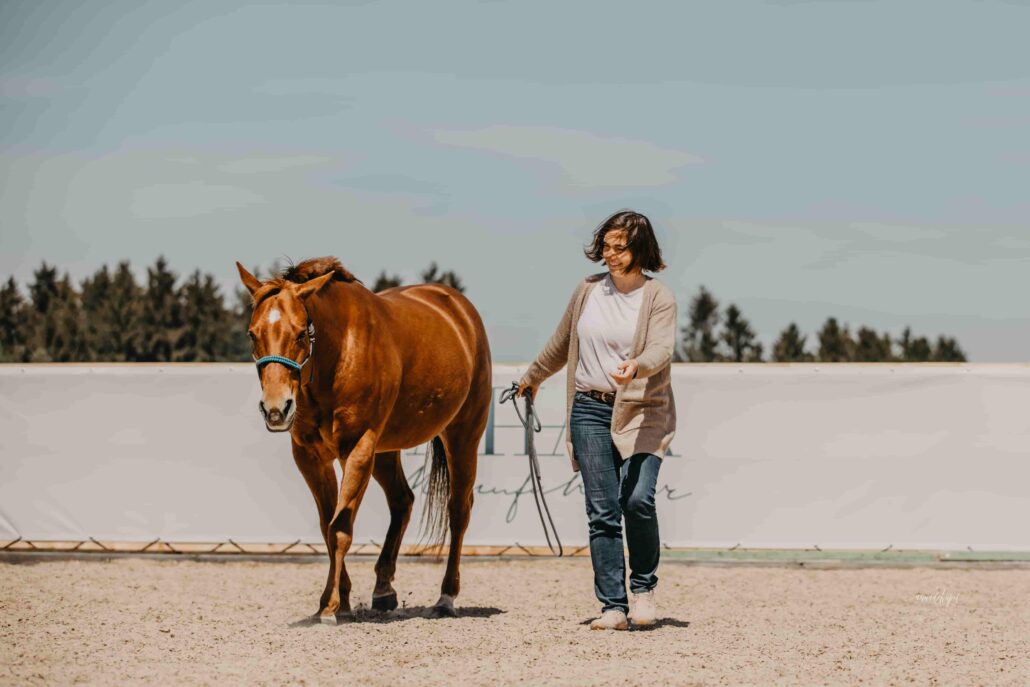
x,y
338,618
443,612
444,608
387,602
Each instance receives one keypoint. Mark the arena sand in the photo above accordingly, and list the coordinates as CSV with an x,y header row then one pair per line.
x,y
132,621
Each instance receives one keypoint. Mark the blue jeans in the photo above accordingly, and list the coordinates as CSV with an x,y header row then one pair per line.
x,y
615,488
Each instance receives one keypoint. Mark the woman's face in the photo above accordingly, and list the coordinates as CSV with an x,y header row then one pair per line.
x,y
616,253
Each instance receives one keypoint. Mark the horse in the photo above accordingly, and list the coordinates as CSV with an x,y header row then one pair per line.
x,y
357,377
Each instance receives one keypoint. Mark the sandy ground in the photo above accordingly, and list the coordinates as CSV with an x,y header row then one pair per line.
x,y
167,622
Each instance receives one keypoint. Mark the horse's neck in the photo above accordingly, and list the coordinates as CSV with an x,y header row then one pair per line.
x,y
340,306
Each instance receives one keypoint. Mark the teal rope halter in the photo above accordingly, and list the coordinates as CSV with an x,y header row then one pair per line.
x,y
293,364
279,359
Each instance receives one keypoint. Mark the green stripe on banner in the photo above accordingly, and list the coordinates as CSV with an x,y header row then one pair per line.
x,y
795,556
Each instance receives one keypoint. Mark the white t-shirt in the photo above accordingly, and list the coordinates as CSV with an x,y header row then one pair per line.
x,y
605,329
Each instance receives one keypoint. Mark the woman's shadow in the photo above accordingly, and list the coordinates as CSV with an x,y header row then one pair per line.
x,y
364,614
659,623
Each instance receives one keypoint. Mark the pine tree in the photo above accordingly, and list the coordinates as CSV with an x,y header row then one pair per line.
x,y
905,344
43,290
239,316
887,345
161,320
385,281
206,333
121,316
947,350
13,314
921,350
871,348
740,338
95,295
54,322
432,275
835,344
699,339
914,350
790,347
68,342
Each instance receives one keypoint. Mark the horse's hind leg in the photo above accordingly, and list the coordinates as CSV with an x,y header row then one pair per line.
x,y
462,452
390,475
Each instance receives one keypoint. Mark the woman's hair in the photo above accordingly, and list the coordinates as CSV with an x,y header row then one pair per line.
x,y
640,240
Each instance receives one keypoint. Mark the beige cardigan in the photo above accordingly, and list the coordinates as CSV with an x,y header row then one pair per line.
x,y
644,417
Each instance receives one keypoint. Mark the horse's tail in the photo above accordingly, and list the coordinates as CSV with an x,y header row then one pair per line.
x,y
435,512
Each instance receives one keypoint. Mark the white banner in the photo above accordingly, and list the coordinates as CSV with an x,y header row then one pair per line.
x,y
926,456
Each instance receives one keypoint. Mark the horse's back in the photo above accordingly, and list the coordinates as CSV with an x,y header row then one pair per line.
x,y
412,306
445,359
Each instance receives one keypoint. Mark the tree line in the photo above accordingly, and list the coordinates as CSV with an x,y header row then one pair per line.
x,y
713,336
110,317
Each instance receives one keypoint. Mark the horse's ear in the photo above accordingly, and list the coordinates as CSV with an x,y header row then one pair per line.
x,y
249,280
311,287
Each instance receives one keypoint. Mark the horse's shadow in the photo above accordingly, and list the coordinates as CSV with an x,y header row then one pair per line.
x,y
363,614
659,623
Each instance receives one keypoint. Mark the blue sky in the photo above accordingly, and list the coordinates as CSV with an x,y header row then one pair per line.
x,y
857,159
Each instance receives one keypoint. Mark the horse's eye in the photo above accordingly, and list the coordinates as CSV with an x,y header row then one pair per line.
x,y
300,337
252,336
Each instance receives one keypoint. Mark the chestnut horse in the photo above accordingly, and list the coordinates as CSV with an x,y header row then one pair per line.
x,y
356,377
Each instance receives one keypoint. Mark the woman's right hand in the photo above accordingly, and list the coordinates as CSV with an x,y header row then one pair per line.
x,y
524,389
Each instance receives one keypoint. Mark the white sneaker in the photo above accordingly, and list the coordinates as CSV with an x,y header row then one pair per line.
x,y
643,611
612,619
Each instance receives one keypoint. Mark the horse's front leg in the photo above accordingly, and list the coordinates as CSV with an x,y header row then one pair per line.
x,y
357,469
315,462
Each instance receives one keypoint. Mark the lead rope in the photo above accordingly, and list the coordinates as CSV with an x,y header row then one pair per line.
x,y
531,423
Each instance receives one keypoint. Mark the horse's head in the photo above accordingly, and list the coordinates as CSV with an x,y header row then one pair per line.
x,y
283,342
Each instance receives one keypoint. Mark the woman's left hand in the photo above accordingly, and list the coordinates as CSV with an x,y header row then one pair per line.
x,y
626,371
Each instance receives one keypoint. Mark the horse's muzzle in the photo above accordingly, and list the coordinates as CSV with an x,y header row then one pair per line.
x,y
278,419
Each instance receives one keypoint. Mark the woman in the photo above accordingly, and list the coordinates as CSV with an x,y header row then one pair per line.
x,y
617,336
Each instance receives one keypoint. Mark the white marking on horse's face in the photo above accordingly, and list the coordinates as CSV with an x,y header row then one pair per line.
x,y
274,315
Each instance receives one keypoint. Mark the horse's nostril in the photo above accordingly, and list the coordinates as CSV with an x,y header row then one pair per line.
x,y
261,407
286,408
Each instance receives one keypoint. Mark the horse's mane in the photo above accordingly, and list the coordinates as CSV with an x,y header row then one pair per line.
x,y
305,271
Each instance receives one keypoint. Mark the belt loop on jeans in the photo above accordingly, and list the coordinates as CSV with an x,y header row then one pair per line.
x,y
606,397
